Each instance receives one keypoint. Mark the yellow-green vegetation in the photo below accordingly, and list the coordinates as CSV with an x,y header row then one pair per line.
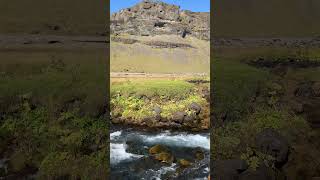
x,y
139,57
137,99
52,106
253,99
238,138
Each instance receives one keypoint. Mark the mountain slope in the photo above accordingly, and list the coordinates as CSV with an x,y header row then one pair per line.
x,y
158,37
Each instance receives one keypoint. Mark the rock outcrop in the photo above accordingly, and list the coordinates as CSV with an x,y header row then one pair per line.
x,y
150,18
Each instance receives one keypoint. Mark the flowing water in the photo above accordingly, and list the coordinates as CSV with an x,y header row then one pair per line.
x,y
129,157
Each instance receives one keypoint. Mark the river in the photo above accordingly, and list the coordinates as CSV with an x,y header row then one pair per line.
x,y
129,157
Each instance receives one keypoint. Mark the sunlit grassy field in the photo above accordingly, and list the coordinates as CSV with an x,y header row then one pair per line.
x,y
139,57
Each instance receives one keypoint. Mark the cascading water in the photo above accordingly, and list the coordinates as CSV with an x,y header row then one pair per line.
x,y
129,157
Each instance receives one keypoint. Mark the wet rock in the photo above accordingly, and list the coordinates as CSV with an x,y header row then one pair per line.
x,y
179,116
157,149
134,147
184,163
199,154
165,157
228,169
271,142
195,107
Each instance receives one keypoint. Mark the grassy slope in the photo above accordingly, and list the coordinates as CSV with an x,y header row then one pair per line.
x,y
142,58
39,129
73,17
51,98
235,83
266,18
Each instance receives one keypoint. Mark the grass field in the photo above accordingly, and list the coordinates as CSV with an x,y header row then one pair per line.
x,y
139,57
247,98
53,104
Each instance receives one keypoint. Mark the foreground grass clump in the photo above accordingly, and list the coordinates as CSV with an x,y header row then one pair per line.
x,y
69,146
137,99
237,139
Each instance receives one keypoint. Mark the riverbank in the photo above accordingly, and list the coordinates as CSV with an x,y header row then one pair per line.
x,y
166,103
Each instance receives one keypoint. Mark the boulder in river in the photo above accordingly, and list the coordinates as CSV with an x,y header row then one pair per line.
x,y
157,149
199,154
184,163
165,157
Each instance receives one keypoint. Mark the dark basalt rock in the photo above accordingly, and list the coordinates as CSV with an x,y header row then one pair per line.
x,y
195,107
179,116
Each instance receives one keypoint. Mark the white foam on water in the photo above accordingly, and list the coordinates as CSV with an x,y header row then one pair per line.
x,y
163,170
118,153
115,135
181,140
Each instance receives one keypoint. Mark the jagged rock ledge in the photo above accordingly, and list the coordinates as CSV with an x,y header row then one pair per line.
x,y
150,18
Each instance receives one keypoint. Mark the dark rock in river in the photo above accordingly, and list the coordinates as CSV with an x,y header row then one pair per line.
x,y
158,149
198,153
165,157
271,142
184,163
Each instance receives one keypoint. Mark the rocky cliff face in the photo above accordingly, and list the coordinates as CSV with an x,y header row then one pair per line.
x,y
150,18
